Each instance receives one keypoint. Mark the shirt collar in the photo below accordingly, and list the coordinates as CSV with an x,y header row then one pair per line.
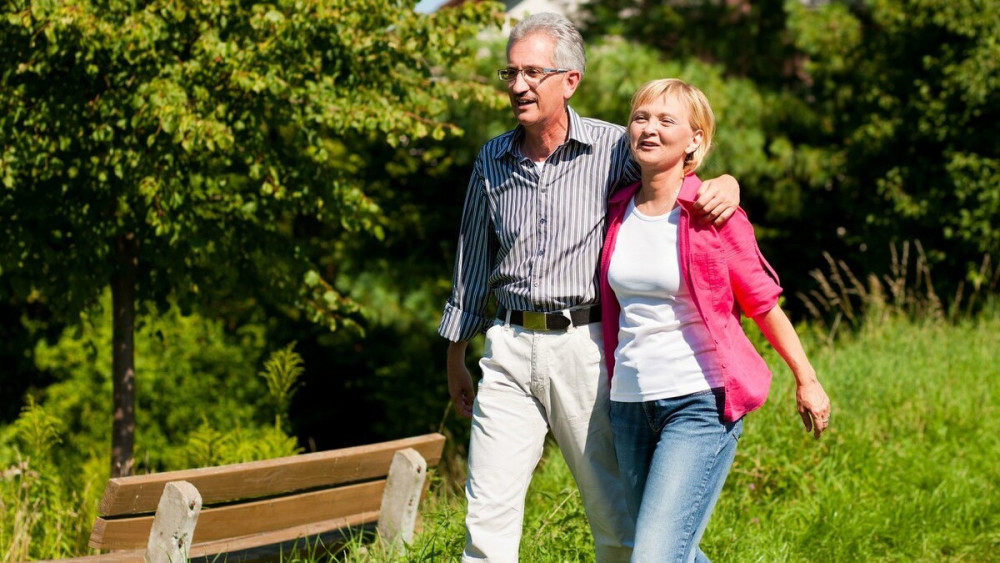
x,y
689,189
577,133
686,197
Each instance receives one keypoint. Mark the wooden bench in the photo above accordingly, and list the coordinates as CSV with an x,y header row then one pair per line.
x,y
230,508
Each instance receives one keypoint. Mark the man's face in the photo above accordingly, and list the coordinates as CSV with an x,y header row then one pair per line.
x,y
538,103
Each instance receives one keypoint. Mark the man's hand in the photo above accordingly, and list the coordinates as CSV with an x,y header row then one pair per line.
x,y
460,380
717,200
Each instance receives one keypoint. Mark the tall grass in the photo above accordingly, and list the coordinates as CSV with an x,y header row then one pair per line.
x,y
40,516
48,505
908,471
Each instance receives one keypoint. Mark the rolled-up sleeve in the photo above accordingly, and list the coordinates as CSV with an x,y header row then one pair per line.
x,y
755,283
464,313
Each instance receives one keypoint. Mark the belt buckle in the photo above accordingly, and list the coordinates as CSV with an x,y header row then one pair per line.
x,y
533,320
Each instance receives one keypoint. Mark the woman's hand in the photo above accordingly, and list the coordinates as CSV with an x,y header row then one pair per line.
x,y
814,406
810,397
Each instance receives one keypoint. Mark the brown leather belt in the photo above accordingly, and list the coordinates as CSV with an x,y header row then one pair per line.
x,y
555,320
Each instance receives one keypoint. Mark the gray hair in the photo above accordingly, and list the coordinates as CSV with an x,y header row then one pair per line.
x,y
569,51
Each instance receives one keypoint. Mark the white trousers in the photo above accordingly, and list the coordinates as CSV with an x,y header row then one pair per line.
x,y
533,382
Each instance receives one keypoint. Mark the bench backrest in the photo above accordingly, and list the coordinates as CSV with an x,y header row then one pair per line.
x,y
262,502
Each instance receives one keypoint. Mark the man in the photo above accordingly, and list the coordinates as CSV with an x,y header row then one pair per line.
x,y
531,234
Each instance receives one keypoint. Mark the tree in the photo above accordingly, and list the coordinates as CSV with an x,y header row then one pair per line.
x,y
872,120
391,382
179,149
749,38
767,136
904,88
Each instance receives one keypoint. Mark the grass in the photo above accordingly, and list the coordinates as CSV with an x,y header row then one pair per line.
x,y
907,472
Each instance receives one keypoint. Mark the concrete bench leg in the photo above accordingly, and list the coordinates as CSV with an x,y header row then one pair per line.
x,y
401,499
174,523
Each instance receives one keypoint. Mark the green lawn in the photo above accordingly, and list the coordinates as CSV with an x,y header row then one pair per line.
x,y
908,472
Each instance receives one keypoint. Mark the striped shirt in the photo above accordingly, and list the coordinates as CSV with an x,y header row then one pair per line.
x,y
531,236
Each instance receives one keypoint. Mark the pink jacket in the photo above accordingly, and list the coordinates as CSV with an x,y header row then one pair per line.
x,y
727,276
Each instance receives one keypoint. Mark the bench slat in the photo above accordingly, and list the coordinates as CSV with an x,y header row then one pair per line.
x,y
132,556
269,538
139,494
234,544
268,519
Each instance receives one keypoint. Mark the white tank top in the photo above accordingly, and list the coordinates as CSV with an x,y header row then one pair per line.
x,y
664,349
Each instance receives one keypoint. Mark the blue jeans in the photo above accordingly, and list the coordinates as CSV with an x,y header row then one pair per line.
x,y
674,455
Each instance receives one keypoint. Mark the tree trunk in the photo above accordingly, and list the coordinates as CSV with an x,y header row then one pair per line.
x,y
123,360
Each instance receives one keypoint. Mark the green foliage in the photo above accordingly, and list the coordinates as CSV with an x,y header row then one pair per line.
x,y
37,431
281,373
206,446
188,370
859,125
207,131
191,373
46,511
748,38
909,84
145,145
199,402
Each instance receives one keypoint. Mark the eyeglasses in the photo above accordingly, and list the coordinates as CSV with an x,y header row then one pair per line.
x,y
532,74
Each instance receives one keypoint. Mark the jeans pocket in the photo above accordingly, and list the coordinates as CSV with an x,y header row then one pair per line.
x,y
737,430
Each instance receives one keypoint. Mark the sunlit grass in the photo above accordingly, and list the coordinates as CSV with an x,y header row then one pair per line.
x,y
907,472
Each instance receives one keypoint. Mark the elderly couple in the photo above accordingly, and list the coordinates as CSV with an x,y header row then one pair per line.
x,y
620,278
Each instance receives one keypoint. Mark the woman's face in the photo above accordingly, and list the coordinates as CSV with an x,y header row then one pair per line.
x,y
660,133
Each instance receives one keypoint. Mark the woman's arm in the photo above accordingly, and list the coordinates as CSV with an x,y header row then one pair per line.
x,y
812,401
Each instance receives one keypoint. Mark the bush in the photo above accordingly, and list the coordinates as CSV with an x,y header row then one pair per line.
x,y
199,402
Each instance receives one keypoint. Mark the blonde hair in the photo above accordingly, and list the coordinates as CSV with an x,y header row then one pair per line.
x,y
702,117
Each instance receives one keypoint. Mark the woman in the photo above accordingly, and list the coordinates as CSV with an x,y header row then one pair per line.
x,y
683,372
